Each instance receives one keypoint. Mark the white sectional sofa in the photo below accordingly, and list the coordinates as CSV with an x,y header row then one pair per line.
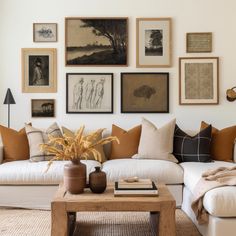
x,y
24,184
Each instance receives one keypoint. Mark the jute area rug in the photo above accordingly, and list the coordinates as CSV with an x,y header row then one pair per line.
x,y
18,222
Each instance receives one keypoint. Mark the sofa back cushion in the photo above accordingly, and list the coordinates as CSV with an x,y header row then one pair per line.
x,y
156,143
129,142
192,148
222,146
99,148
16,146
36,137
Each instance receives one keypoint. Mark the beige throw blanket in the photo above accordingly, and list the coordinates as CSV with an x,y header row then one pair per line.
x,y
219,177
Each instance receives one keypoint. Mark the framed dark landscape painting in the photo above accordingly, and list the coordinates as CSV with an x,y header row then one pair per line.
x,y
96,41
153,42
42,108
144,92
89,93
39,70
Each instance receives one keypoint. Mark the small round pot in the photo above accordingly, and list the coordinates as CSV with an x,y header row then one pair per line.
x,y
75,177
97,180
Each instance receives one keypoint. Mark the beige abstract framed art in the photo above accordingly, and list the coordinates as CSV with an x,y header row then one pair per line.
x,y
199,80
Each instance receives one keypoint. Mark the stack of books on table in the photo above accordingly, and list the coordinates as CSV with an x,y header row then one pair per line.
x,y
141,187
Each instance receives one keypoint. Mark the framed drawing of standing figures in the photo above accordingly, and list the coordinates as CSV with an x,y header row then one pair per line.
x,y
89,93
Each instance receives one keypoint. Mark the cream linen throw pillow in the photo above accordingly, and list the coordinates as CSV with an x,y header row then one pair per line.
x,y
36,137
156,143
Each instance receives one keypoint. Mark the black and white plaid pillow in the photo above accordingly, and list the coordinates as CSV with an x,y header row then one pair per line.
x,y
196,148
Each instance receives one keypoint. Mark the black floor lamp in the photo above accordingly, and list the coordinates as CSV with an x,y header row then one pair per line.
x,y
9,100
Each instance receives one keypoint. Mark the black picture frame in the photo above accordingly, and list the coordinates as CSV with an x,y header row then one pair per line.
x,y
89,93
145,92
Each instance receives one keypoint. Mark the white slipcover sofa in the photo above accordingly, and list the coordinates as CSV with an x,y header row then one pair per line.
x,y
25,184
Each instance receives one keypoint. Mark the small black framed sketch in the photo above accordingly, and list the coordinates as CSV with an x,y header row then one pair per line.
x,y
96,41
44,32
42,108
144,92
89,93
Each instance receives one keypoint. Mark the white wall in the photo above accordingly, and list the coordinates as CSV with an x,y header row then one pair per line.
x,y
215,16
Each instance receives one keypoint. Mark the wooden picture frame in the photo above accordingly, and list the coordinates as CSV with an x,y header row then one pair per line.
x,y
153,42
39,70
44,32
93,41
42,108
89,93
139,92
198,80
199,42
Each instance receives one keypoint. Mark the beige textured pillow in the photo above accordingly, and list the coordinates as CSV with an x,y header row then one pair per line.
x,y
37,137
156,143
99,148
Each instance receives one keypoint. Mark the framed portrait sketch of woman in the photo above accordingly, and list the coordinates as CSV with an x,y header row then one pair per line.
x,y
39,70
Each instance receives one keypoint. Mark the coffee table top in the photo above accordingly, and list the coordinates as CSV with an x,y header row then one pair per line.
x,y
106,201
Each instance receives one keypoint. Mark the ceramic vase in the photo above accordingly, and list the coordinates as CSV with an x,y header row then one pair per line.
x,y
97,180
75,177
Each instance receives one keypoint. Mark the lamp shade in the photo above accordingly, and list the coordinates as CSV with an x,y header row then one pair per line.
x,y
9,98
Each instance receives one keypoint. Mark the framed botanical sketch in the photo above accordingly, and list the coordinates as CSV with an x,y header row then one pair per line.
x,y
198,80
153,42
39,70
198,42
45,32
96,41
42,108
89,93
144,92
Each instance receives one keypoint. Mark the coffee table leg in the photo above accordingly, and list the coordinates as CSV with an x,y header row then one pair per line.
x,y
71,222
59,218
167,220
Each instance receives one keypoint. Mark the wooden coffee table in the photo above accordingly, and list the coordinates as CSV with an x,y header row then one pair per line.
x,y
65,205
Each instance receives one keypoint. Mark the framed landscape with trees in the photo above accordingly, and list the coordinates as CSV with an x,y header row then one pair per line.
x,y
153,42
96,41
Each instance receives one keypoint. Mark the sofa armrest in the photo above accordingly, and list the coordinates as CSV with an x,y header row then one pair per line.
x,y
1,153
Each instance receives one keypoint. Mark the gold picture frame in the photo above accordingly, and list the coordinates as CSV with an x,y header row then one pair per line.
x,y
199,42
199,80
153,42
39,70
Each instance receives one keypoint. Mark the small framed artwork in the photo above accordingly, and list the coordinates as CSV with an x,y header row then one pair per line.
x,y
42,108
39,70
45,32
153,42
96,41
144,92
89,93
198,80
198,42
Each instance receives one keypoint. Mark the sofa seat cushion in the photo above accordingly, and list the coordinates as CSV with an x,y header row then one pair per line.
x,y
220,202
157,170
33,173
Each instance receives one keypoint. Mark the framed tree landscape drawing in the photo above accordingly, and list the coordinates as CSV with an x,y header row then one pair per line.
x,y
96,41
198,80
144,92
39,70
153,42
89,93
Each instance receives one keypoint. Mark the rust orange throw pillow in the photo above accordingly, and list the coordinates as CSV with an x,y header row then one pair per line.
x,y
129,141
16,146
222,143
